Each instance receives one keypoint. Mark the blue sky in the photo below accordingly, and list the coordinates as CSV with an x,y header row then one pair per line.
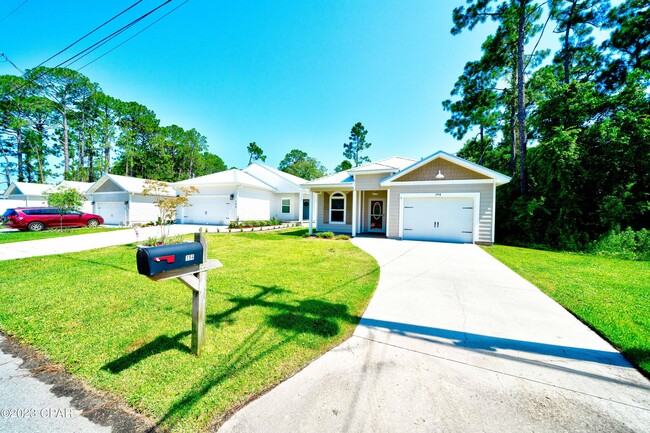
x,y
285,74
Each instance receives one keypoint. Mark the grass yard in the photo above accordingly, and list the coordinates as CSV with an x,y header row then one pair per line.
x,y
10,237
279,302
611,295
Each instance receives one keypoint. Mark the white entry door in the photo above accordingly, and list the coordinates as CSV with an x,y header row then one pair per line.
x,y
443,219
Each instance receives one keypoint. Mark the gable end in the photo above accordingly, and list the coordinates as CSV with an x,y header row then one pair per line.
x,y
449,170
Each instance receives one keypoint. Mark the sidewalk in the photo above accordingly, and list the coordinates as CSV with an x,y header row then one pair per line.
x,y
68,244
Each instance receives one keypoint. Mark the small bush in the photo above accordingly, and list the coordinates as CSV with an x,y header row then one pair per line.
x,y
628,244
343,237
325,235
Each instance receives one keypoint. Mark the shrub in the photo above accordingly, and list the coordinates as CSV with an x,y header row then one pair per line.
x,y
325,235
343,237
627,244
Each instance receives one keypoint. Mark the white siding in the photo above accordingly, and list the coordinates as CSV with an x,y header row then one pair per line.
x,y
296,207
11,203
320,212
143,209
485,206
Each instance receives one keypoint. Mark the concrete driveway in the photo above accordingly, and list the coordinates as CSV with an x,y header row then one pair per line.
x,y
454,341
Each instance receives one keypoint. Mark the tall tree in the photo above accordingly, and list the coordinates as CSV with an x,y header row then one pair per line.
x,y
255,153
575,20
64,87
518,17
352,149
302,165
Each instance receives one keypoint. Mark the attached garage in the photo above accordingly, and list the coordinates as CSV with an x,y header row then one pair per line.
x,y
439,217
114,213
207,210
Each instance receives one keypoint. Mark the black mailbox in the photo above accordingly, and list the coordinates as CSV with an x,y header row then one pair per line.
x,y
154,260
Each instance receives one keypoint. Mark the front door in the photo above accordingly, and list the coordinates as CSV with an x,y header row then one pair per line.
x,y
376,215
305,209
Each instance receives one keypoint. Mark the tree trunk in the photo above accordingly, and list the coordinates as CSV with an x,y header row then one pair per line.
x,y
567,53
82,144
7,168
91,153
513,125
39,155
66,153
19,155
521,97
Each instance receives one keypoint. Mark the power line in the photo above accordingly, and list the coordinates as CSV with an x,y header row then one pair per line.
x,y
33,80
7,59
127,40
14,10
101,42
89,33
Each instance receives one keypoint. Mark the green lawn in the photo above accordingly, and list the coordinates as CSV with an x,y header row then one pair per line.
x,y
279,302
612,296
9,237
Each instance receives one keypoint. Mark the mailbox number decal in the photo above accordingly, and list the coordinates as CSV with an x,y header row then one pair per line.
x,y
168,259
189,257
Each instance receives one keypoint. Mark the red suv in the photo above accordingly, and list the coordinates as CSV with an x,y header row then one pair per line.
x,y
36,219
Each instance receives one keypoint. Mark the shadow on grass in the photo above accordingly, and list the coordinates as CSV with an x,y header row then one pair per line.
x,y
159,345
295,233
311,316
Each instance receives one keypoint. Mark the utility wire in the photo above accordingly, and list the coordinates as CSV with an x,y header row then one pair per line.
x,y
7,59
33,80
89,33
14,10
127,40
101,42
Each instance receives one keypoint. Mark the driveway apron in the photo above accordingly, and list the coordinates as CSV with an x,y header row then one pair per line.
x,y
454,341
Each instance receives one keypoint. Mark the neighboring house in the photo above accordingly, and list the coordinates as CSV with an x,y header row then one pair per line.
x,y
441,198
258,192
83,188
119,200
24,194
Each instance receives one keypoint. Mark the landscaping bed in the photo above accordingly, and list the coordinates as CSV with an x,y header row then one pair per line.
x,y
610,295
279,302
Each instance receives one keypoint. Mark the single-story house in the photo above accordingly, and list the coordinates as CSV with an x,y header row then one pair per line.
x,y
83,188
258,192
441,198
120,201
24,194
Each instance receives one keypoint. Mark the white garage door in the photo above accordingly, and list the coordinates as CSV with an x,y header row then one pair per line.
x,y
207,210
444,219
114,213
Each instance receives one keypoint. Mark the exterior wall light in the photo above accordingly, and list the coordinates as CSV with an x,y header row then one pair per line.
x,y
440,175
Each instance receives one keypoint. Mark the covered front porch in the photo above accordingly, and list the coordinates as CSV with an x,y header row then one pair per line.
x,y
349,211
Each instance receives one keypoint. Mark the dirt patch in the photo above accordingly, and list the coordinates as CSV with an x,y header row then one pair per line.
x,y
99,407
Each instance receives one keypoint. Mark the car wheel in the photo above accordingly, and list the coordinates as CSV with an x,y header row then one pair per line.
x,y
35,226
93,223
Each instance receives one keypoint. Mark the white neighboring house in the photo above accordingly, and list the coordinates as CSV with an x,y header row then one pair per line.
x,y
82,187
24,194
258,192
119,200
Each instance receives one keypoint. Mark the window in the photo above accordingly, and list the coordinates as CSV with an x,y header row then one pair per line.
x,y
337,208
286,205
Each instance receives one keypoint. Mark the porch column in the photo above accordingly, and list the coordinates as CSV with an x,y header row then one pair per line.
x,y
354,213
311,211
300,207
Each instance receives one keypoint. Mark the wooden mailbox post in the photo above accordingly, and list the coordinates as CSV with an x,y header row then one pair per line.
x,y
195,277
